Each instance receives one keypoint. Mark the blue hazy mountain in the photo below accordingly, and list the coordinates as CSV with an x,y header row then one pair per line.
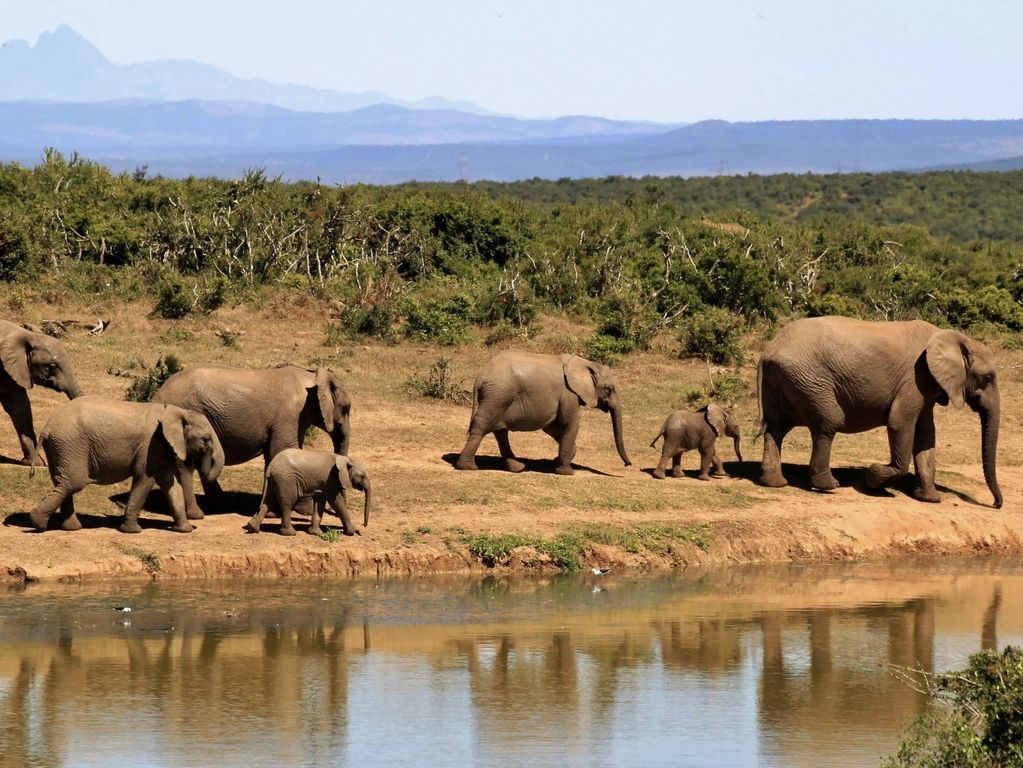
x,y
64,66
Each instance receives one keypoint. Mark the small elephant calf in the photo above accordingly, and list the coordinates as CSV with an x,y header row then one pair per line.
x,y
684,430
295,477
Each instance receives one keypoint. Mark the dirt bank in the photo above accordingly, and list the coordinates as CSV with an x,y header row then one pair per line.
x,y
431,519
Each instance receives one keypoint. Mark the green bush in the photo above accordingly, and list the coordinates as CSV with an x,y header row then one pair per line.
x,y
963,309
713,334
607,349
145,386
440,320
172,300
981,724
438,384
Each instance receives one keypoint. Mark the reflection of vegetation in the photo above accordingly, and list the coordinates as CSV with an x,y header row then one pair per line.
x,y
567,549
982,726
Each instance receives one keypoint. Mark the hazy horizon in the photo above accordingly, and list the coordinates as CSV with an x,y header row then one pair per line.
x,y
660,61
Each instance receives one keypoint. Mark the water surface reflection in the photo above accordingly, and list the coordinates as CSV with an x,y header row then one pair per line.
x,y
750,666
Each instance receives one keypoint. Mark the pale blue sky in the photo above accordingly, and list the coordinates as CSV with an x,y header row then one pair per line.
x,y
638,59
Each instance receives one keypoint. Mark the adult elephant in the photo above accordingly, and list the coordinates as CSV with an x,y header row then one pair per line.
x,y
30,358
522,391
836,374
259,412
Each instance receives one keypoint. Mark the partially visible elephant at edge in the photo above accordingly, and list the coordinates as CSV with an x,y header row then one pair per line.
x,y
30,358
523,391
687,430
836,374
98,440
294,475
259,411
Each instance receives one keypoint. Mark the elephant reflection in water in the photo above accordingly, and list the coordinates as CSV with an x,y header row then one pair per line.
x,y
796,702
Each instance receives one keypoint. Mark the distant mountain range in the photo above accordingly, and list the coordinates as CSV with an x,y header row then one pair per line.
x,y
181,118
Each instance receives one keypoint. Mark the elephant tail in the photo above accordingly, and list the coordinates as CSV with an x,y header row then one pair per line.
x,y
475,400
657,437
35,454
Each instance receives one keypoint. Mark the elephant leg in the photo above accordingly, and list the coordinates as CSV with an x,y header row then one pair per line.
x,y
719,466
820,461
923,456
676,464
54,500
667,454
770,466
340,507
510,462
285,507
66,519
257,519
566,447
467,458
20,410
900,442
316,517
192,509
169,483
141,485
706,459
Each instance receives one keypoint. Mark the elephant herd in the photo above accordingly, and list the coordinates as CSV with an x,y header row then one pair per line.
x,y
829,374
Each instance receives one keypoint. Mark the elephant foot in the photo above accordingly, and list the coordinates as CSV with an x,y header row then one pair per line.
x,y
658,473
288,531
470,464
702,476
71,524
252,526
514,465
347,532
720,475
195,514
130,528
26,461
317,531
563,470
185,527
877,476
927,494
773,480
40,521
824,481
677,472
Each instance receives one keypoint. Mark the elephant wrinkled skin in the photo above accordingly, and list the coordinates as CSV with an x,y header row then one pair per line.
x,y
97,440
836,374
685,430
259,411
294,475
522,391
28,358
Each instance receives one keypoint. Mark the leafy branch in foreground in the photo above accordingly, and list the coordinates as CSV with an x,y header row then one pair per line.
x,y
980,722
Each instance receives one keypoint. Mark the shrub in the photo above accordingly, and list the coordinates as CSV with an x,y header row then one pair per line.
x,y
713,334
725,388
982,724
144,387
607,349
437,383
963,308
172,300
441,320
374,320
627,319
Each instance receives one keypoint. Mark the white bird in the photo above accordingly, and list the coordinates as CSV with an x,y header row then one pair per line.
x,y
599,571
122,609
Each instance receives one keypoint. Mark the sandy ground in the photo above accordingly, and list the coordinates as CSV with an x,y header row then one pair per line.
x,y
425,509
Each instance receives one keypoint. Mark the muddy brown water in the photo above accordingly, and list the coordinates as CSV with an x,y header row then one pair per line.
x,y
775,666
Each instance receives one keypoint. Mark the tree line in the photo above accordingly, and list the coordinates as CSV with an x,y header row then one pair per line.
x,y
709,257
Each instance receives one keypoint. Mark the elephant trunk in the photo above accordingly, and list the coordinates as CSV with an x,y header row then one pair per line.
x,y
738,452
367,488
72,390
212,463
616,426
989,418
339,437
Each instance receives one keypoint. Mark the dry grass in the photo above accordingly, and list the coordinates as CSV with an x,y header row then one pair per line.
x,y
408,442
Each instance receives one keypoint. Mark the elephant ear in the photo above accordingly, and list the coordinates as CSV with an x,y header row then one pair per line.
x,y
172,422
325,397
342,463
580,378
715,417
948,359
14,354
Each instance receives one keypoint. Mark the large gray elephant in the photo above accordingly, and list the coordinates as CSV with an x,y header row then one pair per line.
x,y
29,358
294,475
836,374
259,411
98,440
687,430
522,391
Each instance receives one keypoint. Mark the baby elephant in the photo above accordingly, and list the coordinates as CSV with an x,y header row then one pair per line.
x,y
683,431
97,440
295,476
